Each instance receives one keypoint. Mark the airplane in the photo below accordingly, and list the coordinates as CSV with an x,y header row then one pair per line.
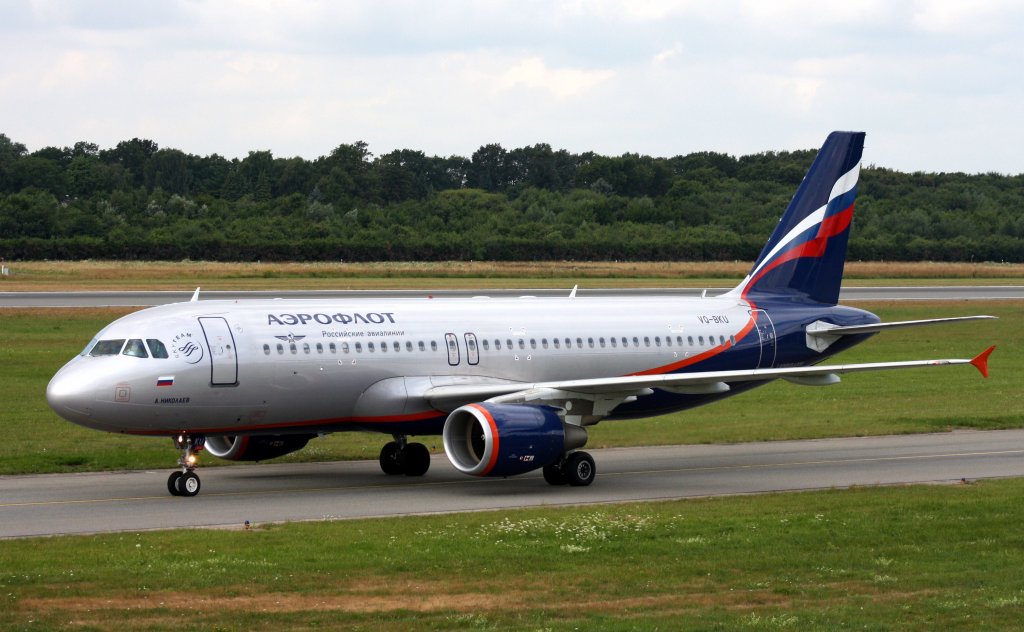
x,y
511,384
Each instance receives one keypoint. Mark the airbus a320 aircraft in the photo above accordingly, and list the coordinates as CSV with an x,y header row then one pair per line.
x,y
511,383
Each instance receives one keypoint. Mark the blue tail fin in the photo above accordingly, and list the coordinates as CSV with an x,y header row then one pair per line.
x,y
805,256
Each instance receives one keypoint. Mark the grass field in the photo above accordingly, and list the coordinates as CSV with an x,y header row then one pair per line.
x,y
919,558
186,275
34,343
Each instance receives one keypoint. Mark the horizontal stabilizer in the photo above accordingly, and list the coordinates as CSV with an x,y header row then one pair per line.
x,y
821,335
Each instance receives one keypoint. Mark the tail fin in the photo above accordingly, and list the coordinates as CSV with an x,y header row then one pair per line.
x,y
805,256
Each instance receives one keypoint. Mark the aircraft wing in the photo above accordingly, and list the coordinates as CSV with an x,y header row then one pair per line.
x,y
607,392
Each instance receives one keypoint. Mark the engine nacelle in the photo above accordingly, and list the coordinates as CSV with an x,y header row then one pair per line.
x,y
507,439
255,447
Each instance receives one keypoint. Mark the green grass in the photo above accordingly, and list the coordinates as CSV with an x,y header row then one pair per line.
x,y
35,343
923,558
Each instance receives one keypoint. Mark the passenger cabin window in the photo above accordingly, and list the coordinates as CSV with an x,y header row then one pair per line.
x,y
158,350
359,347
433,345
135,349
107,347
333,348
280,348
370,347
486,344
590,342
319,347
383,347
266,349
408,346
421,346
293,348
344,347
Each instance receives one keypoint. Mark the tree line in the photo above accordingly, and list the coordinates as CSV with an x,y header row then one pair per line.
x,y
140,201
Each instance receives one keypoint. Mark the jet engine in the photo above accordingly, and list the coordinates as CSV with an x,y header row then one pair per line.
x,y
255,447
507,439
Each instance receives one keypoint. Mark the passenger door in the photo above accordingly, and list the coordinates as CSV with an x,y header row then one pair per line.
x,y
223,356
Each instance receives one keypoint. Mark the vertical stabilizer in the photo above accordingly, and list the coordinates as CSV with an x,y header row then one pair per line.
x,y
805,256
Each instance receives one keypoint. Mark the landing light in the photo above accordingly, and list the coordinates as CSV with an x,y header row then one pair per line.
x,y
191,459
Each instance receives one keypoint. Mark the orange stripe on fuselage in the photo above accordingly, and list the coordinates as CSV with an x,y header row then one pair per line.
x,y
700,357
430,414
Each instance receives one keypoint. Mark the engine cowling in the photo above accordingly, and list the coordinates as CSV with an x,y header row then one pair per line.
x,y
507,439
255,447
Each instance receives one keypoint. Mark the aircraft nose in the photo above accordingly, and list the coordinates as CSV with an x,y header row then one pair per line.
x,y
70,394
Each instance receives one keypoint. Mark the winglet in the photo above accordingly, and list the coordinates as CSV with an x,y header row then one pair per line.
x,y
981,360
195,297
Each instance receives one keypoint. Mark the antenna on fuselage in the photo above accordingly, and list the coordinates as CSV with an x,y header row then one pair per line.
x,y
195,296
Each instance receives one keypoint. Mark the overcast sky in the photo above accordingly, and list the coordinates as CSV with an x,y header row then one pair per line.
x,y
938,85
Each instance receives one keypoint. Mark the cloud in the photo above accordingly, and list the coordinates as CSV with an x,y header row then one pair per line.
x,y
562,83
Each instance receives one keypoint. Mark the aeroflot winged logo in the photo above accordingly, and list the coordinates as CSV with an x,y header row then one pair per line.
x,y
290,337
369,318
186,349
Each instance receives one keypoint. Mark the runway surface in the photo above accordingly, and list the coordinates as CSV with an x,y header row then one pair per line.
x,y
150,298
53,504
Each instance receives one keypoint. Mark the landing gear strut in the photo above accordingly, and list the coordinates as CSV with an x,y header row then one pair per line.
x,y
576,469
401,457
186,482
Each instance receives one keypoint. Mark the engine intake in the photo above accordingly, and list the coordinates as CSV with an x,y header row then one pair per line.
x,y
255,447
507,439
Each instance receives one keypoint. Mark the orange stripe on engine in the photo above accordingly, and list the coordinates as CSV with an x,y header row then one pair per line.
x,y
494,433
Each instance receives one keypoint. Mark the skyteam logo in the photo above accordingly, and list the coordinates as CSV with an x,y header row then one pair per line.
x,y
186,349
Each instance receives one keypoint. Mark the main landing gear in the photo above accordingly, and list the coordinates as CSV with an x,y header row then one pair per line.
x,y
186,482
401,457
575,468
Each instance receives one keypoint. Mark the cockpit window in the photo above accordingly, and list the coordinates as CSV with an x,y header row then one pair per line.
x,y
136,349
157,348
107,347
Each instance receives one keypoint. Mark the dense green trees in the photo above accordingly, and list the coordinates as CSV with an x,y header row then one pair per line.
x,y
138,200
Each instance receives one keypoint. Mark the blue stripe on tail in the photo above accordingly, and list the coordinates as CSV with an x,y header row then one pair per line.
x,y
804,257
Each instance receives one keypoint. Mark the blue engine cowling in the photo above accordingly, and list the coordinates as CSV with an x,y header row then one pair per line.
x,y
507,439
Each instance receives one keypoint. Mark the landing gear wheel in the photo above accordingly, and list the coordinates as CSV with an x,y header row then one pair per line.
x,y
172,483
391,458
415,459
188,484
555,474
580,469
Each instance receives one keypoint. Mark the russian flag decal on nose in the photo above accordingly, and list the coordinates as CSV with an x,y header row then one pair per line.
x,y
165,380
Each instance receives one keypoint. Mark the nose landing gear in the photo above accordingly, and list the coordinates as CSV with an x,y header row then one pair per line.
x,y
186,482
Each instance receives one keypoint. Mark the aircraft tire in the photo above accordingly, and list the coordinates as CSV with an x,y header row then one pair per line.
x,y
416,459
580,469
172,483
554,473
188,484
391,459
